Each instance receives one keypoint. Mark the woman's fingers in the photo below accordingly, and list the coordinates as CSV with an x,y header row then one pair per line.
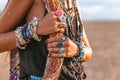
x,y
58,44
56,55
65,47
50,24
56,50
53,39
60,53
57,39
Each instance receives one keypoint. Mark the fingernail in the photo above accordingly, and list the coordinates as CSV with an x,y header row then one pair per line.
x,y
46,41
50,54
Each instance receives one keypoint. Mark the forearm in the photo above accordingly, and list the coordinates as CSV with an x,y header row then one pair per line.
x,y
7,41
10,17
13,14
87,48
87,54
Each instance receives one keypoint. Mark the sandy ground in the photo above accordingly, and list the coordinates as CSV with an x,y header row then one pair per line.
x,y
104,38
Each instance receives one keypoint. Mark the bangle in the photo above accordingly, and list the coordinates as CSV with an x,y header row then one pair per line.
x,y
20,46
32,26
24,34
81,51
20,42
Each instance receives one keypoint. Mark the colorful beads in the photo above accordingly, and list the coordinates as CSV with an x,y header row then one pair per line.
x,y
35,77
81,54
68,21
81,51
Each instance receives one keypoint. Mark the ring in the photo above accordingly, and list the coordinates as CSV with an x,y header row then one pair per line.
x,y
58,13
61,52
60,45
62,18
63,38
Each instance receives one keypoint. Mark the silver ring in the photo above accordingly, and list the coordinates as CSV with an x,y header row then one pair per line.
x,y
60,45
62,18
63,38
62,52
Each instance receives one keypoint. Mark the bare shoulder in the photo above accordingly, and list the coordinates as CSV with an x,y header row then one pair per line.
x,y
37,10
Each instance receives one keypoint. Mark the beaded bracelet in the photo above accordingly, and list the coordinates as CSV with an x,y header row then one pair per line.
x,y
81,51
32,77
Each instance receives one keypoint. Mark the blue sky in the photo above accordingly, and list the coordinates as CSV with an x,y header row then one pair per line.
x,y
2,4
100,9
94,9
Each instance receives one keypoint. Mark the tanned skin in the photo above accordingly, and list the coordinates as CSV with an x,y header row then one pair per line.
x,y
14,13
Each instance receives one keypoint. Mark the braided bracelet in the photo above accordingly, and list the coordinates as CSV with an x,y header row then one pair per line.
x,y
26,32
32,26
20,42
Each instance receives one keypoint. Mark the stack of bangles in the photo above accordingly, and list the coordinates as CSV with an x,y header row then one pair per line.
x,y
25,33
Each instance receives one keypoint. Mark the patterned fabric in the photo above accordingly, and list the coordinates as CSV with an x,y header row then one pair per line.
x,y
33,59
14,65
72,69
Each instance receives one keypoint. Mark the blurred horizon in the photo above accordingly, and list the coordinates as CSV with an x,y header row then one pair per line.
x,y
101,20
100,10
94,10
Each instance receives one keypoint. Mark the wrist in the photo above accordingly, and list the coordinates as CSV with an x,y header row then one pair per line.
x,y
88,54
26,32
38,31
32,26
80,52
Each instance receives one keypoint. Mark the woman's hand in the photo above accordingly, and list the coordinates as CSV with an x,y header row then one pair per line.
x,y
56,44
49,24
